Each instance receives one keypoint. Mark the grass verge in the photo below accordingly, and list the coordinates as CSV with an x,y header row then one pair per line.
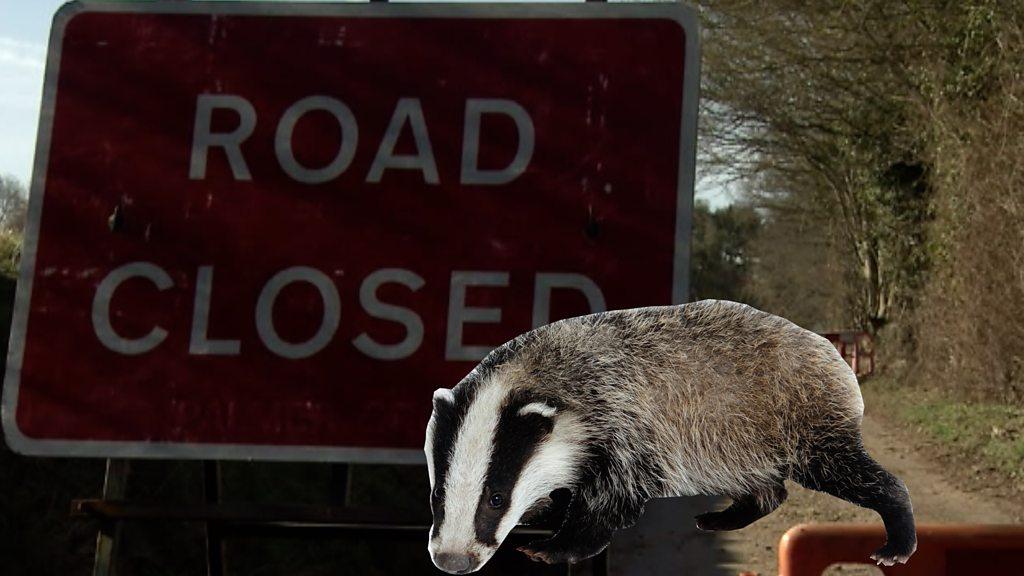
x,y
989,436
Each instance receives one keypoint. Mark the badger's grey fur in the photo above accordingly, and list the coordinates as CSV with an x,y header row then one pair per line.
x,y
619,407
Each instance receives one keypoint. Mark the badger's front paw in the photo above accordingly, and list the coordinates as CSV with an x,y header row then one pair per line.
x,y
559,549
536,553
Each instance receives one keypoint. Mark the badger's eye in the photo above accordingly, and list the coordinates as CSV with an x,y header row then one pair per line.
x,y
496,501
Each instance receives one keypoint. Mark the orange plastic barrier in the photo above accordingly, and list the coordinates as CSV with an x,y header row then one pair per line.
x,y
942,549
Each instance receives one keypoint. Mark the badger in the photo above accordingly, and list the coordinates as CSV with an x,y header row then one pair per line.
x,y
616,408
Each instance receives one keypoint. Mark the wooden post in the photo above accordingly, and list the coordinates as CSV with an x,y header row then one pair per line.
x,y
115,482
856,355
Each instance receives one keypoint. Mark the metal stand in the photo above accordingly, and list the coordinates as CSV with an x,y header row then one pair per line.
x,y
114,484
224,520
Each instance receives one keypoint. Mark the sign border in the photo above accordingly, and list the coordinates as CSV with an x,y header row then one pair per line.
x,y
684,15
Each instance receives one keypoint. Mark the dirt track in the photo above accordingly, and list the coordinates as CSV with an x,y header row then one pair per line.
x,y
936,493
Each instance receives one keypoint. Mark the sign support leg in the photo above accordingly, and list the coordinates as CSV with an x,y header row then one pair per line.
x,y
114,483
340,485
212,492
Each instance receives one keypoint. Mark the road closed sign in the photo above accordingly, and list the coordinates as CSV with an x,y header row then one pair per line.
x,y
270,231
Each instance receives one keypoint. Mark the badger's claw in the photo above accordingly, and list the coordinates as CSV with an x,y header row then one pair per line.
x,y
543,551
889,555
536,555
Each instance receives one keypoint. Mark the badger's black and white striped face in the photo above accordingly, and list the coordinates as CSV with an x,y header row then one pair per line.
x,y
493,453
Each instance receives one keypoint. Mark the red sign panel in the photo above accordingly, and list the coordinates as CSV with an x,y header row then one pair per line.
x,y
272,231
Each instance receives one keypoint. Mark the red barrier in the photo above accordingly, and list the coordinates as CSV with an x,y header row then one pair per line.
x,y
942,549
855,347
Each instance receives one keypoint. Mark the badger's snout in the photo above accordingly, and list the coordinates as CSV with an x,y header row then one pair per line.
x,y
454,563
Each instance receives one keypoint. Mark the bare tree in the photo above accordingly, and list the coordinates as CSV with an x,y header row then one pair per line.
x,y
819,99
13,204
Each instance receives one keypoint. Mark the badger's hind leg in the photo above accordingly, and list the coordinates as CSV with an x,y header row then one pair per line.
x,y
841,467
744,510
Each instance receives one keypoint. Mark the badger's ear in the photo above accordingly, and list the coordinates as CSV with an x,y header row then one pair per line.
x,y
443,397
542,408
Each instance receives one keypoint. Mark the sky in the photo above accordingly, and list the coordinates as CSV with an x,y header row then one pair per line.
x,y
24,34
24,27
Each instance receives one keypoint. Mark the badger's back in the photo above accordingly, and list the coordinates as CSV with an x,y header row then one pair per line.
x,y
721,395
